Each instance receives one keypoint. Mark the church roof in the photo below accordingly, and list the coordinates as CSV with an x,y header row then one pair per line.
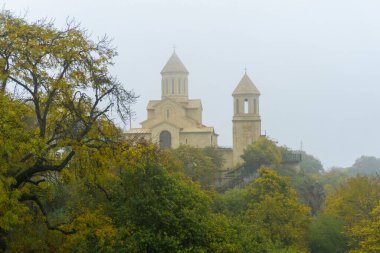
x,y
174,65
188,104
201,129
193,104
246,86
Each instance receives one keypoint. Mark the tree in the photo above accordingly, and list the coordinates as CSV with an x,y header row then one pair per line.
x,y
354,200
326,235
310,165
266,214
64,95
157,210
365,165
262,152
366,234
195,164
355,204
215,155
332,179
274,210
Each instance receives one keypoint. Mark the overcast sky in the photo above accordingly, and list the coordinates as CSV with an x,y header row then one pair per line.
x,y
315,62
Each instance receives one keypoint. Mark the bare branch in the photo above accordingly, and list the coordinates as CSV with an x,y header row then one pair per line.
x,y
38,167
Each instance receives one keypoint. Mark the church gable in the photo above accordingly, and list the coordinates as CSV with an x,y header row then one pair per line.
x,y
168,110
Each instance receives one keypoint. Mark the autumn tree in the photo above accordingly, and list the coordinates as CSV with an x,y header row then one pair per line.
x,y
365,165
366,234
63,97
262,152
326,234
199,164
267,214
354,205
157,209
310,165
274,209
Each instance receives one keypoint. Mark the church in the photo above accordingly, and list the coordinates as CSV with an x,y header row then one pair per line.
x,y
177,120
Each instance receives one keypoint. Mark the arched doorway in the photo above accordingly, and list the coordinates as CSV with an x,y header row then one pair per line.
x,y
165,139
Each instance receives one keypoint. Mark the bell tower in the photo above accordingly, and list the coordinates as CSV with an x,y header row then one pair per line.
x,y
174,83
246,119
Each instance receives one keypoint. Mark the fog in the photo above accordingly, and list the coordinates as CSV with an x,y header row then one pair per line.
x,y
316,63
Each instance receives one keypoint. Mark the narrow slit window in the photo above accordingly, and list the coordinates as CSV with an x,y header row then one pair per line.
x,y
166,87
172,86
255,106
179,86
167,114
237,106
245,105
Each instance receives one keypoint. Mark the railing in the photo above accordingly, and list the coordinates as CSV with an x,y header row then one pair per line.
x,y
291,157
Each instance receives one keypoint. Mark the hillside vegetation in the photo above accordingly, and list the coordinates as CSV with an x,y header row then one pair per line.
x,y
71,182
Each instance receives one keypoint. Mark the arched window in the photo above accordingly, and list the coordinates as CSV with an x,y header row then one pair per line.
x,y
165,140
245,105
167,114
237,106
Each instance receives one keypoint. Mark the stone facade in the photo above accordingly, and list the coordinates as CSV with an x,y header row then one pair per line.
x,y
176,119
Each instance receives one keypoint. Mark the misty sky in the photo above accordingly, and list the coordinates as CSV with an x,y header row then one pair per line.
x,y
315,62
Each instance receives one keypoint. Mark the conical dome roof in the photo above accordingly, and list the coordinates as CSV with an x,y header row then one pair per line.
x,y
174,65
246,86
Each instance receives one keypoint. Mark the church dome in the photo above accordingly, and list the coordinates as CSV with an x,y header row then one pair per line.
x,y
246,86
174,65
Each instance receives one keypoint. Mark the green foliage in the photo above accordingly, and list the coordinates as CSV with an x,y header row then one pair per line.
x,y
199,164
14,141
274,209
262,152
327,235
309,190
366,234
34,236
56,122
63,76
69,182
333,179
165,212
215,155
233,202
354,200
310,165
355,203
266,214
365,165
